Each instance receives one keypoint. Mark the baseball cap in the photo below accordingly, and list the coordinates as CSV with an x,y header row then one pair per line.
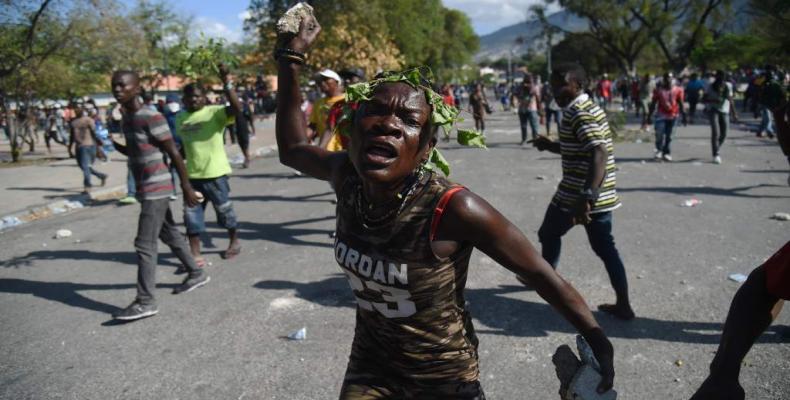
x,y
328,73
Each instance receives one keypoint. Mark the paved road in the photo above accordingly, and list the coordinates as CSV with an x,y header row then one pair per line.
x,y
224,341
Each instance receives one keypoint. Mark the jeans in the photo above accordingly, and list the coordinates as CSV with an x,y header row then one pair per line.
x,y
664,130
531,117
131,186
557,223
766,122
719,125
692,100
553,114
217,191
156,221
86,155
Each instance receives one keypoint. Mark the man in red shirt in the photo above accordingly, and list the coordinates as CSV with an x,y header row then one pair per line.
x,y
605,91
669,99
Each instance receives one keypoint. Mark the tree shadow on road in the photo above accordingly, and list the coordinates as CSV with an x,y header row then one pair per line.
x,y
45,189
330,292
309,198
66,292
284,233
497,314
275,176
507,316
708,190
124,257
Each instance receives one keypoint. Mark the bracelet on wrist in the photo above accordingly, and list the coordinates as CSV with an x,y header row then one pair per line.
x,y
290,54
292,59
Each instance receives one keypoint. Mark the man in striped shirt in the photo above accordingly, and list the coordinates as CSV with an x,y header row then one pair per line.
x,y
147,138
586,195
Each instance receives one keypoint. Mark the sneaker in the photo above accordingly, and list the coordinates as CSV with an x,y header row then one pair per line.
x,y
717,160
667,157
658,155
128,200
192,283
136,311
173,197
103,180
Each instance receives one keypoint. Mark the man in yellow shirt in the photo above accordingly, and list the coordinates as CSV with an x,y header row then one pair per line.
x,y
201,127
329,83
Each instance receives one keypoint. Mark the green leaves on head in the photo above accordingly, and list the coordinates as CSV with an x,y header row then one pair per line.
x,y
358,92
443,115
439,161
471,138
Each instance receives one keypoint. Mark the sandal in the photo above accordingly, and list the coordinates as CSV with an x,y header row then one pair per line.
x,y
231,252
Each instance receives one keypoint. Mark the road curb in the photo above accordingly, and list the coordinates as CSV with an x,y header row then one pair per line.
x,y
49,210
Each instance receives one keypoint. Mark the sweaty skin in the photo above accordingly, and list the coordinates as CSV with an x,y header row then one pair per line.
x,y
395,119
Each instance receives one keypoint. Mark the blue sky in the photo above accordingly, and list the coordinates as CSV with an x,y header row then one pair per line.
x,y
224,18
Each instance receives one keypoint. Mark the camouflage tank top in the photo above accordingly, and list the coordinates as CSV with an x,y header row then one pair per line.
x,y
411,322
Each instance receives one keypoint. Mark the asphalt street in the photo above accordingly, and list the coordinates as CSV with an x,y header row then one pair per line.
x,y
226,340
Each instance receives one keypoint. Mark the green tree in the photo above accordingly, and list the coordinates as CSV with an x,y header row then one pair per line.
x,y
679,26
614,28
455,48
376,34
770,21
37,46
730,51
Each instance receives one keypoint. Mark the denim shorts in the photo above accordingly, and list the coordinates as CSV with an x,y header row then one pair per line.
x,y
216,191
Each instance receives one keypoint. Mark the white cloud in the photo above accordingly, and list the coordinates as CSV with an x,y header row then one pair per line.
x,y
490,15
215,29
244,15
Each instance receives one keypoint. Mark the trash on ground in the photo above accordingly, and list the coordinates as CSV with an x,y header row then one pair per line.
x,y
691,203
74,204
541,177
679,363
237,159
62,234
781,216
301,334
740,278
9,221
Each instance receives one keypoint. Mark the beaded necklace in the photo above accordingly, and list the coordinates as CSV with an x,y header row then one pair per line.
x,y
401,199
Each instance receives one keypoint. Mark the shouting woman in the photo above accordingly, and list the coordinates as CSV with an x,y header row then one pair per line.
x,y
405,236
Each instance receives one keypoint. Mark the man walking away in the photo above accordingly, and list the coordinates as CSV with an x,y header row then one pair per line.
x,y
694,88
528,97
586,195
83,134
769,96
147,137
669,99
719,106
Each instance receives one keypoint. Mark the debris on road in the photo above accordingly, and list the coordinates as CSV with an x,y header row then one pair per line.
x,y
541,177
740,278
781,216
62,234
8,222
691,202
679,363
301,334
